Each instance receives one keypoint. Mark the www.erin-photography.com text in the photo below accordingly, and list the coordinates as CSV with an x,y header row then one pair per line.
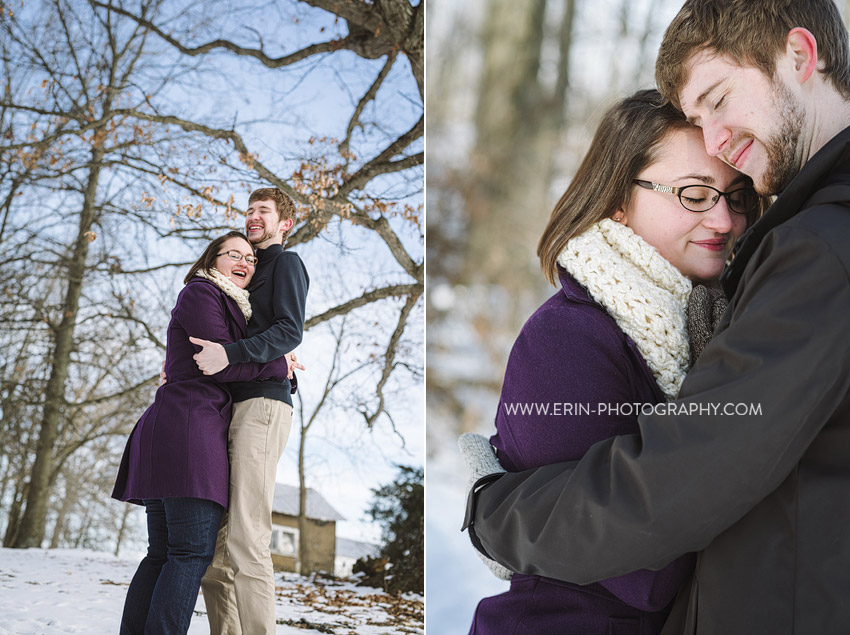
x,y
560,409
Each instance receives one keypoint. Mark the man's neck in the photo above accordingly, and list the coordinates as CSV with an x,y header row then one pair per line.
x,y
831,116
265,244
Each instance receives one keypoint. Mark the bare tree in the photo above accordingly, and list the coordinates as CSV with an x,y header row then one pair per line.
x,y
336,186
91,133
488,200
87,67
345,371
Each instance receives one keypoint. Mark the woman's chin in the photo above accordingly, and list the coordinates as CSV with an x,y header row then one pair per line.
x,y
708,278
706,272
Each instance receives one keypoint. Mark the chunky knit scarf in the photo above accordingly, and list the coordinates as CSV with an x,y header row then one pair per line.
x,y
227,285
643,292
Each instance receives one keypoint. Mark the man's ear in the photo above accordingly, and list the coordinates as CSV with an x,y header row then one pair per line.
x,y
802,47
286,225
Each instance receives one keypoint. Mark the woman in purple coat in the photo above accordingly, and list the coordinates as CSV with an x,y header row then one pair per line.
x,y
175,462
648,214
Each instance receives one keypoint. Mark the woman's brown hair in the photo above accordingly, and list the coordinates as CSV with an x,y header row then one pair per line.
x,y
207,259
625,143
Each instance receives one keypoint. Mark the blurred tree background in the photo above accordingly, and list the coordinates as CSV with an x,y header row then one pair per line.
x,y
505,131
131,133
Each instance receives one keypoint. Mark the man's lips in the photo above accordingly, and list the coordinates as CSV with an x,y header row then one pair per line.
x,y
738,155
255,227
713,244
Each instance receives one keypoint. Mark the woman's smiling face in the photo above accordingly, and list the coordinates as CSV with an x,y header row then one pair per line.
x,y
239,271
696,243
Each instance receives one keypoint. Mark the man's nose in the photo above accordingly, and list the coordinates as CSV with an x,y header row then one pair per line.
x,y
716,137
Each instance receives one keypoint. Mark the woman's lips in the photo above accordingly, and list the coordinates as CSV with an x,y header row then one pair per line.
x,y
711,245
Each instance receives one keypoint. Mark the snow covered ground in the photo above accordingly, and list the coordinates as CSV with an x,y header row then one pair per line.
x,y
455,578
48,592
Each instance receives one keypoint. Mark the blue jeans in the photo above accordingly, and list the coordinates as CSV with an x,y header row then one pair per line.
x,y
181,544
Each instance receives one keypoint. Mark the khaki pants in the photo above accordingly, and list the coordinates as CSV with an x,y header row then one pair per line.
x,y
238,586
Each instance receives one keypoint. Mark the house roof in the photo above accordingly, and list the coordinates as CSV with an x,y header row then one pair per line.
x,y
348,548
286,503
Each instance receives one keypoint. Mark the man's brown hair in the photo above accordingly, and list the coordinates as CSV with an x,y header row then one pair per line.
x,y
283,202
751,32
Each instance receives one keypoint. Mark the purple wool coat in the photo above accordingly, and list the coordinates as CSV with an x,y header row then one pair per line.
x,y
179,446
569,358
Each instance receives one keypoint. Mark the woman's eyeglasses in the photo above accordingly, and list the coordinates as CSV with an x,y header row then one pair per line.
x,y
235,255
701,198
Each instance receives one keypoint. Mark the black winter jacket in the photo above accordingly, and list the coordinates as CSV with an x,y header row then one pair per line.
x,y
278,297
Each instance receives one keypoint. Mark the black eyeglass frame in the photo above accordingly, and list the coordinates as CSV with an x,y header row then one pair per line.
x,y
253,259
677,191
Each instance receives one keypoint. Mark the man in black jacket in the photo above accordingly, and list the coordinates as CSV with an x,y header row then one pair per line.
x,y
239,584
751,465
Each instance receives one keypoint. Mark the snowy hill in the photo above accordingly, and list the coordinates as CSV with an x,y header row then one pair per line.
x,y
48,592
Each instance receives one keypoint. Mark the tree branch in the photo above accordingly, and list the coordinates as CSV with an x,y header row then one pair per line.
x,y
369,96
389,362
319,219
366,298
217,133
382,227
122,393
368,170
330,46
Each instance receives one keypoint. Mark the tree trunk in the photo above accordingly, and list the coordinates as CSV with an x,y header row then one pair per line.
x,y
14,518
7,478
123,527
302,567
507,188
519,123
68,503
85,526
32,526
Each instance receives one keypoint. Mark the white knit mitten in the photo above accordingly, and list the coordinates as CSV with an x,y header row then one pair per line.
x,y
481,461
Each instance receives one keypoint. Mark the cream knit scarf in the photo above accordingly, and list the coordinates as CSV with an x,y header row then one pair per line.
x,y
227,285
643,292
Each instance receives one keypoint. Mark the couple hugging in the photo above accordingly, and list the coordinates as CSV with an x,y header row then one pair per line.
x,y
202,459
706,520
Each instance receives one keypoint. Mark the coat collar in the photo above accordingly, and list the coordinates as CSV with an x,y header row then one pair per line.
x,y
572,289
818,172
264,257
269,253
